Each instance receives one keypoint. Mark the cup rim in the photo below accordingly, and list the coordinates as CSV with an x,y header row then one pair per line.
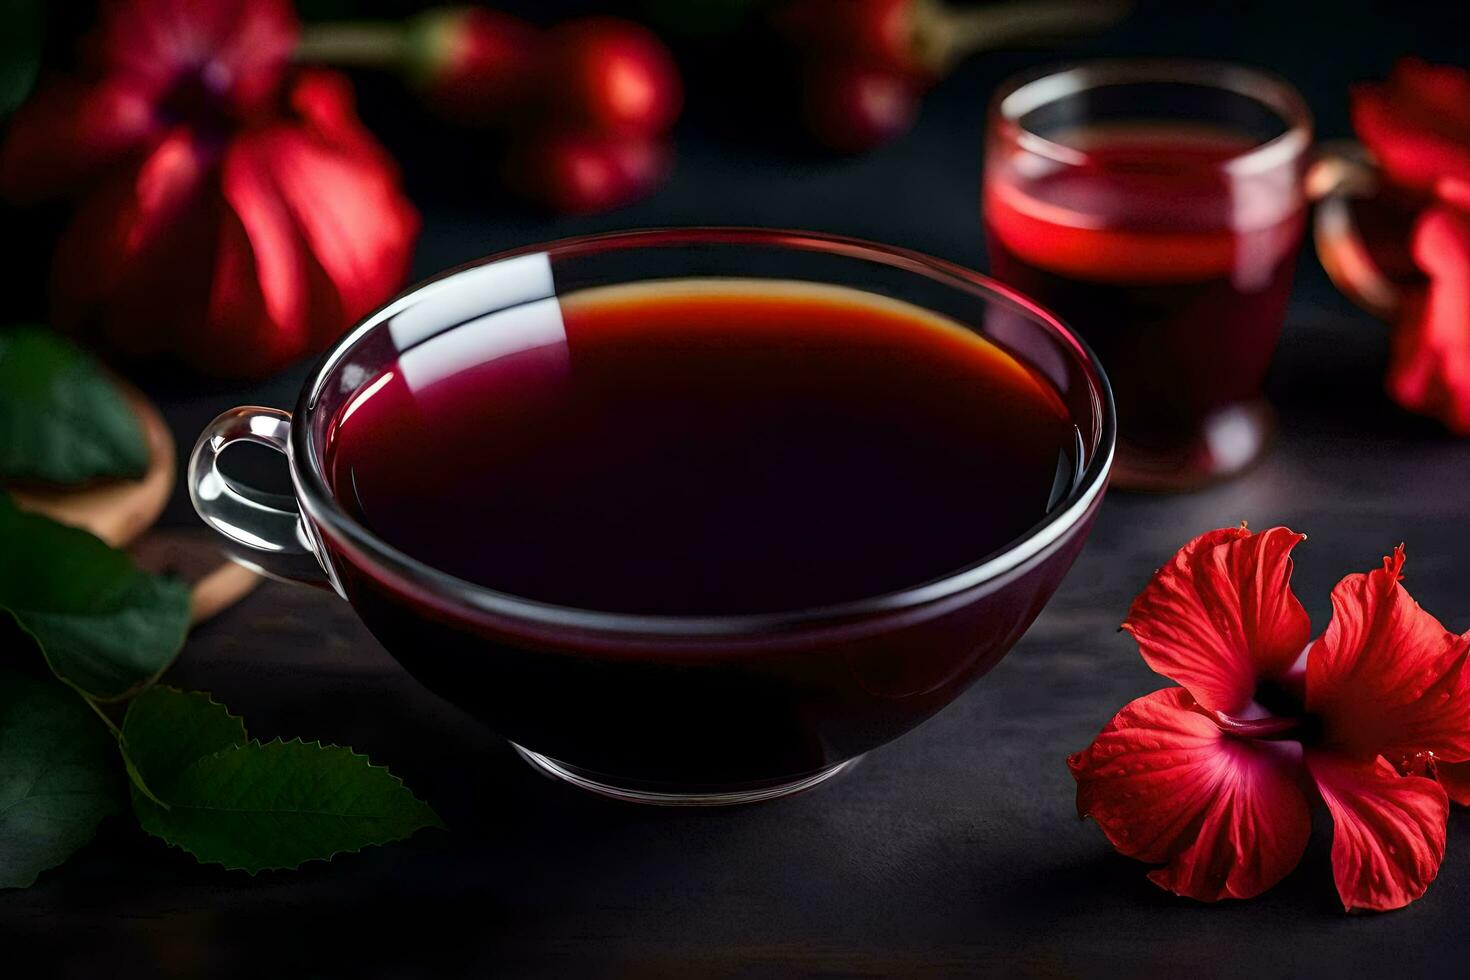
x,y
1031,89
320,505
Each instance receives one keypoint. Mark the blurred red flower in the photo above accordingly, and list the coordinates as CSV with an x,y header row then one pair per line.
x,y
1429,369
1214,779
1417,124
231,212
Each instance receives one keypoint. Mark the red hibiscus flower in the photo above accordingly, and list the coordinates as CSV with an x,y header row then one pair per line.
x,y
1214,779
1417,124
231,212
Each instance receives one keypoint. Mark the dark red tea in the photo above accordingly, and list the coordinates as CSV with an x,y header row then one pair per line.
x,y
703,447
1174,268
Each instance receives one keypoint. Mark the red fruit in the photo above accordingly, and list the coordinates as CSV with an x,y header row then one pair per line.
x,y
612,76
476,66
877,32
852,107
581,173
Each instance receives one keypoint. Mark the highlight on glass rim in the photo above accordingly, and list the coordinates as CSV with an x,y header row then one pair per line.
x,y
747,488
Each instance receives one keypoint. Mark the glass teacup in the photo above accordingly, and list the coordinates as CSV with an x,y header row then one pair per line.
x,y
661,707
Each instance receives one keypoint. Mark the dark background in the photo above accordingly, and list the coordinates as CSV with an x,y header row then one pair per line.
x,y
955,850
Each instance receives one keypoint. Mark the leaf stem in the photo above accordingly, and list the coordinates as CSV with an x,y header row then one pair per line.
x,y
358,44
947,35
111,725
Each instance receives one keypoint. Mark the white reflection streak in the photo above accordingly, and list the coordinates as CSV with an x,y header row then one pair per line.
x,y
365,394
264,425
486,338
245,537
210,486
472,293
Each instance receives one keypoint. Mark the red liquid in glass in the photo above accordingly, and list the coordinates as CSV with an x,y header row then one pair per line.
x,y
705,447
705,450
1176,272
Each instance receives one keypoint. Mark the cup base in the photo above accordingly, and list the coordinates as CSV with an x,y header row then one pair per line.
x,y
611,788
1231,441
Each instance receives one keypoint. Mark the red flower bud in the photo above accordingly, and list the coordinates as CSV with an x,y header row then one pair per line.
x,y
580,173
611,76
880,33
475,66
851,107
230,214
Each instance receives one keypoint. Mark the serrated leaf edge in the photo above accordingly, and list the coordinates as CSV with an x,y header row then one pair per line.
x,y
436,824
134,776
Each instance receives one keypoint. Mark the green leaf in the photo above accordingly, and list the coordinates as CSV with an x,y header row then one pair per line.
x,y
274,806
105,628
22,31
256,807
61,420
174,729
57,776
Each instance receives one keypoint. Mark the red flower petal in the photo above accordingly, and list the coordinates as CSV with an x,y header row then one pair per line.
x,y
155,262
272,243
1389,830
1417,123
1455,191
1438,91
133,267
314,234
1455,778
342,192
1429,372
1221,615
1386,678
324,104
238,49
242,337
1226,815
68,133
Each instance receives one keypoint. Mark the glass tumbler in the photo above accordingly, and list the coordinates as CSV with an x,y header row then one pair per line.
x,y
1157,207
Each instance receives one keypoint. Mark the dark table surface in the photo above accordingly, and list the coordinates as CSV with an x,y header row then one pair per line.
x,y
954,850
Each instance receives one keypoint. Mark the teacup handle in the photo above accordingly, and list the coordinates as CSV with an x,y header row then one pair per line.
x,y
263,531
1342,171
